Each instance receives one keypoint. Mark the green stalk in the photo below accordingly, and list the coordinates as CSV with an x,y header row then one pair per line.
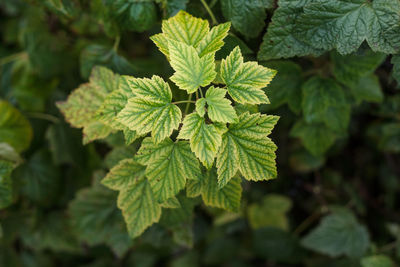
x,y
214,20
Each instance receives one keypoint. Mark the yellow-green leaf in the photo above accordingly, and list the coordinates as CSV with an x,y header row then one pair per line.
x,y
214,39
191,71
245,80
204,138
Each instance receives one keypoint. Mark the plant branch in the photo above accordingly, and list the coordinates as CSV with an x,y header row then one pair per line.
x,y
214,20
116,43
188,103
184,101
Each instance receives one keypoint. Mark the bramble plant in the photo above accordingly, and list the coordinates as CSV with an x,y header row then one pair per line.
x,y
218,141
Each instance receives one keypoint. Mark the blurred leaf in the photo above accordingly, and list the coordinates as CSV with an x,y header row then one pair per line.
x,y
8,153
338,234
368,89
271,212
303,161
14,128
6,188
377,261
396,67
386,135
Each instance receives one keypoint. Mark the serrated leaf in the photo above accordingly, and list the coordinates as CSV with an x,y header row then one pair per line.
x,y
219,108
81,107
204,138
139,206
344,25
15,129
169,164
227,198
245,80
191,71
247,16
246,147
317,138
324,101
96,219
5,183
338,234
151,109
213,41
125,173
280,40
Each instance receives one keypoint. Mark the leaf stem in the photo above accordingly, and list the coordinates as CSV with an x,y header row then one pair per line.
x,y
12,58
116,43
201,93
307,222
43,116
188,103
214,20
184,101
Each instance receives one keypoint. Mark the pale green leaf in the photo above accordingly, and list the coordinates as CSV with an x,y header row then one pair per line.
x,y
139,206
245,80
151,109
15,129
124,174
246,147
214,39
271,212
338,234
169,165
204,138
377,261
82,105
191,71
227,198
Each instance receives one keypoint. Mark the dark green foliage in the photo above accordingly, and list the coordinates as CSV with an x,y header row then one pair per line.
x,y
335,201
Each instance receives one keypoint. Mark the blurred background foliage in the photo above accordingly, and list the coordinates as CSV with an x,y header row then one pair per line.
x,y
335,201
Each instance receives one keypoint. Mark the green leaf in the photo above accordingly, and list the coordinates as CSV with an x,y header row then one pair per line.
x,y
82,105
245,80
151,109
213,41
169,164
171,203
342,25
285,87
368,89
172,7
338,234
281,41
6,194
96,219
247,148
204,138
139,206
8,153
15,129
316,138
350,68
324,101
218,107
125,173
271,212
227,198
396,67
377,261
191,71
247,16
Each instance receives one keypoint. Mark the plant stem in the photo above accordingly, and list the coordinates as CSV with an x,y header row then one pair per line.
x,y
201,93
12,58
116,43
184,101
307,222
214,20
43,116
188,103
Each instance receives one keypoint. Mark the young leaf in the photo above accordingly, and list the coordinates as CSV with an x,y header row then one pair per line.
x,y
219,108
204,138
245,80
169,164
151,109
246,147
227,198
191,71
214,39
82,105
